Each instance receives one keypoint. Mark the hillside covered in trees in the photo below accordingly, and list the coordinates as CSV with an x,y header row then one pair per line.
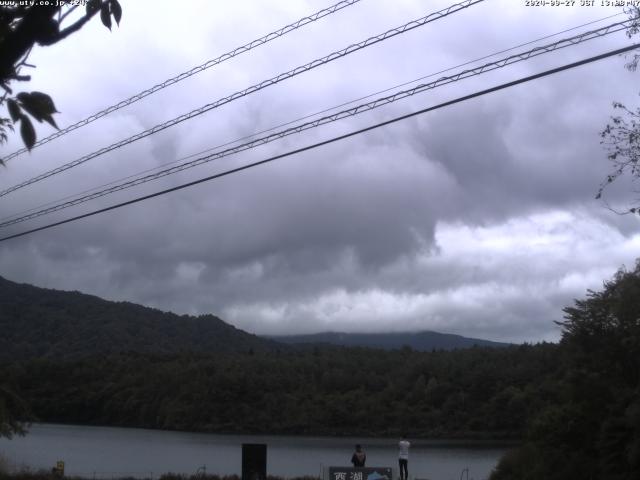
x,y
575,405
332,391
38,322
76,358
43,323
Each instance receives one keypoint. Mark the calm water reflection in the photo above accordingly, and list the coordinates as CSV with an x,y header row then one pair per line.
x,y
109,452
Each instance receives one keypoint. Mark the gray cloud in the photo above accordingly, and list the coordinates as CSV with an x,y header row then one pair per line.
x,y
476,219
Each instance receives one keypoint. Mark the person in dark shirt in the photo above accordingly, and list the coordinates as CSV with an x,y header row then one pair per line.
x,y
359,457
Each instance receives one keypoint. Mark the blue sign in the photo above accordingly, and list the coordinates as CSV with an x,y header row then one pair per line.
x,y
362,473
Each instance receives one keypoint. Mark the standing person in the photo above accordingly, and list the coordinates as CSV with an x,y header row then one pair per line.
x,y
403,457
359,457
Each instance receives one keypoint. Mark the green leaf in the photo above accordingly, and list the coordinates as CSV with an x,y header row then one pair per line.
x,y
93,6
105,15
14,110
39,105
49,119
27,132
116,11
44,101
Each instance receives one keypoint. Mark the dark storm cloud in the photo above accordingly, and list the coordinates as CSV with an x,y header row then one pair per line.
x,y
477,219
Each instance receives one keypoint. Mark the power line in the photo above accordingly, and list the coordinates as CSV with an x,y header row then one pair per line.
x,y
254,88
270,129
510,60
182,76
332,140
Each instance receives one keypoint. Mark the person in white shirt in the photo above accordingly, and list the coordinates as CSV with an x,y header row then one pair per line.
x,y
403,457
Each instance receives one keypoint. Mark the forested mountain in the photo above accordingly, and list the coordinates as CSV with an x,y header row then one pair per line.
x,y
575,405
421,341
39,322
471,393
79,359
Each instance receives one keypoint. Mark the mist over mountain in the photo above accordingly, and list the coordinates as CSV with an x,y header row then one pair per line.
x,y
39,322
424,341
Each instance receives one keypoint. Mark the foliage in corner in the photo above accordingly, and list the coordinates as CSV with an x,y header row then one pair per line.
x,y
591,429
21,28
14,414
621,137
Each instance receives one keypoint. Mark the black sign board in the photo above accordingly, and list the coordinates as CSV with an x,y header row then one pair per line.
x,y
361,473
254,461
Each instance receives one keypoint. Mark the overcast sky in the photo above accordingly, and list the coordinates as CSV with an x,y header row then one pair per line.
x,y
477,219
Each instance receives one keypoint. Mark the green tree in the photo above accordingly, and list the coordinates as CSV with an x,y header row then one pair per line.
x,y
13,414
592,429
21,28
621,137
603,335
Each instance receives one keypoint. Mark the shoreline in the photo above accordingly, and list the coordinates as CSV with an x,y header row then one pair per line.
x,y
432,441
150,453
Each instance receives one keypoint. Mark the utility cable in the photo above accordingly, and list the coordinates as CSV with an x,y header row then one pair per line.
x,y
299,119
200,68
510,60
257,87
332,140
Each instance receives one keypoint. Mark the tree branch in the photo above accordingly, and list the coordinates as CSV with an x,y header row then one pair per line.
x,y
70,29
65,14
18,41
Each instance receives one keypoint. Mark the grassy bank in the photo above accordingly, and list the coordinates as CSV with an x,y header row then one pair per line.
x,y
44,475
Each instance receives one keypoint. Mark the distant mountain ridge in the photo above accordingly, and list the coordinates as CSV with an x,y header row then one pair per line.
x,y
38,322
420,341
44,323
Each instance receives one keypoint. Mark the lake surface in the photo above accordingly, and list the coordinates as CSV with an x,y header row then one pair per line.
x,y
104,452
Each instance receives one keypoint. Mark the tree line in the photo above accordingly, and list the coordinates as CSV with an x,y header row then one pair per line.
x,y
590,426
477,392
575,406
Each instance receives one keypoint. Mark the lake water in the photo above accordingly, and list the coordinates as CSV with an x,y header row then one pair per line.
x,y
104,452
